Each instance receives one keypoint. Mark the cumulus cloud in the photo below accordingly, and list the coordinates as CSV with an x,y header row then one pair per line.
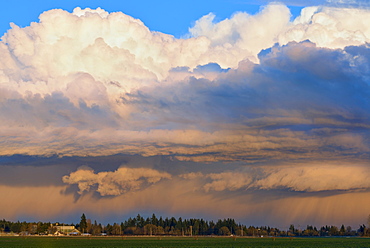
x,y
325,26
329,27
114,183
97,83
317,108
243,31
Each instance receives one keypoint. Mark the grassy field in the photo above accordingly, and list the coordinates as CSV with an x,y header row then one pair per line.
x,y
179,242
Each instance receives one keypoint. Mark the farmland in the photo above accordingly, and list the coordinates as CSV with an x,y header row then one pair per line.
x,y
56,242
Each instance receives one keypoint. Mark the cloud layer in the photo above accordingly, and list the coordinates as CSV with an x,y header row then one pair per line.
x,y
251,106
317,109
268,207
306,178
115,183
107,79
296,177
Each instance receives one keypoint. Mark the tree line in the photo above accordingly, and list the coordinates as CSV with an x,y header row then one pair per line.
x,y
179,227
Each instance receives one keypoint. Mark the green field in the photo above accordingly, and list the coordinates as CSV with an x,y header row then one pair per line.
x,y
179,242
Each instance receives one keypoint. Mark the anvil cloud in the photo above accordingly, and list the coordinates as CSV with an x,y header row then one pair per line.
x,y
248,108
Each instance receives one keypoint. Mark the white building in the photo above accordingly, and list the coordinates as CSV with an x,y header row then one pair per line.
x,y
65,230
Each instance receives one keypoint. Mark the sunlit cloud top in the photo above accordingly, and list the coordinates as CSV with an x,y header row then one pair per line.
x,y
107,79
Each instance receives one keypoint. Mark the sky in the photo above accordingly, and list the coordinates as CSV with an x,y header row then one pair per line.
x,y
253,110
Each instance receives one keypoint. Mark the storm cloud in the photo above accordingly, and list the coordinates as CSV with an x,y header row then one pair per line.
x,y
249,108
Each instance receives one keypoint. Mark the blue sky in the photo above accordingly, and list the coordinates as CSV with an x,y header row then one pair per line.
x,y
172,17
246,113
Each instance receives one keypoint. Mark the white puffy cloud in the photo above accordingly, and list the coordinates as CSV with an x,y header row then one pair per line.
x,y
114,183
97,83
244,32
116,48
329,27
326,26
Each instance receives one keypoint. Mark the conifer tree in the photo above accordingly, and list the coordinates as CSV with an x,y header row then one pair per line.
x,y
83,223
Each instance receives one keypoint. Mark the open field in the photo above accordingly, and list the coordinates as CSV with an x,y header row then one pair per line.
x,y
179,242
